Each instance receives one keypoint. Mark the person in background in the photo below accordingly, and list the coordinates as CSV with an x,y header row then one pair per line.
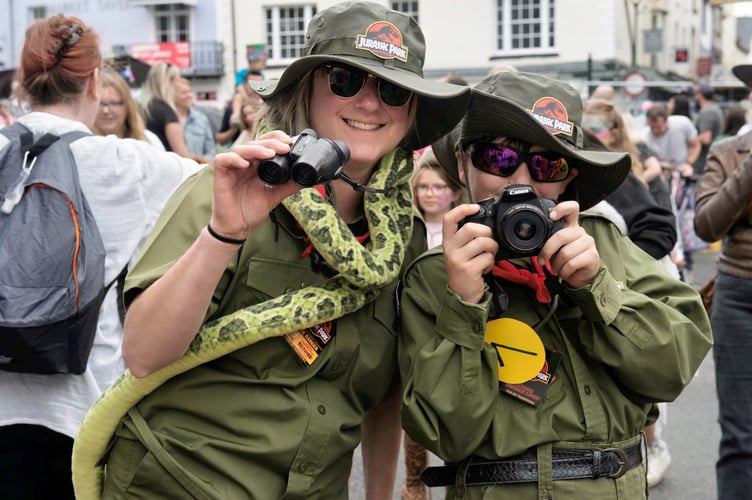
x,y
6,117
269,420
679,105
673,139
126,183
453,79
158,107
118,112
709,123
656,184
650,226
723,212
434,194
518,367
605,92
249,112
231,124
734,119
199,138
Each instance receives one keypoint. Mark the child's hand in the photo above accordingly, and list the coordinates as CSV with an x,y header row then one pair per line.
x,y
571,251
469,253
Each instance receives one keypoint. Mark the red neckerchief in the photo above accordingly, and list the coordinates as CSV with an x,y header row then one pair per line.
x,y
537,281
309,246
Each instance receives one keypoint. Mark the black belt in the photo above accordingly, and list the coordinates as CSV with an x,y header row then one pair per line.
x,y
566,464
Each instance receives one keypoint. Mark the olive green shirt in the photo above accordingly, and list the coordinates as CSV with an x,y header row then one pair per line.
x,y
633,337
257,423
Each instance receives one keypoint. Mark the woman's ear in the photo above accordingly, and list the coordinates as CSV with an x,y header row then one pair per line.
x,y
94,91
460,170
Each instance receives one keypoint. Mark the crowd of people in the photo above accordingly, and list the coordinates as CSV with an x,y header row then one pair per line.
x,y
459,278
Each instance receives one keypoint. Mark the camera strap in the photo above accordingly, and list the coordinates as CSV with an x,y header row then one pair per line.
x,y
360,187
499,299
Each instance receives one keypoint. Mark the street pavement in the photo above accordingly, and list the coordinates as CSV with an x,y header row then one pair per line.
x,y
691,431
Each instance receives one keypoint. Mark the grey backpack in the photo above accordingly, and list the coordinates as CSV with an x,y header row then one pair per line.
x,y
51,257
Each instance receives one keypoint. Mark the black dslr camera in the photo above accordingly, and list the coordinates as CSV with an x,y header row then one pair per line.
x,y
519,221
311,160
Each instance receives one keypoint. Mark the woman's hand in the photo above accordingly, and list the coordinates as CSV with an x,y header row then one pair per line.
x,y
241,200
469,253
571,251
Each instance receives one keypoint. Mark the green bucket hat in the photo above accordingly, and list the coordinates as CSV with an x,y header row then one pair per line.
x,y
540,111
386,43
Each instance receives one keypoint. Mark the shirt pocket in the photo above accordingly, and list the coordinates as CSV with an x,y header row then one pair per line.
x,y
268,278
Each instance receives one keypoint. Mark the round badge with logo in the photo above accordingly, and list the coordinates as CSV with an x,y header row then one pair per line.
x,y
519,350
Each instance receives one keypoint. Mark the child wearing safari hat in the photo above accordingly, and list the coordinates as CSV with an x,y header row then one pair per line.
x,y
534,343
306,275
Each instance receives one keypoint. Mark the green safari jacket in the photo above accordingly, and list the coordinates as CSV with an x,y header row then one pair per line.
x,y
634,337
255,424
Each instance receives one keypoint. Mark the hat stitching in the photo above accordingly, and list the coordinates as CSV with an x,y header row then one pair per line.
x,y
383,40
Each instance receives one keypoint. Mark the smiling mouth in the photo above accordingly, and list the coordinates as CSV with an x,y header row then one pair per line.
x,y
363,126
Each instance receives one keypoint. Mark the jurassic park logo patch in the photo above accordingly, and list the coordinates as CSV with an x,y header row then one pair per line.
x,y
553,115
383,40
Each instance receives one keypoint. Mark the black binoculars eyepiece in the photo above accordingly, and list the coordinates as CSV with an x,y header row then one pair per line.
x,y
312,160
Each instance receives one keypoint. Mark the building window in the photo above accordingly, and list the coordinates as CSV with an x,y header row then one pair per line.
x,y
172,22
285,32
409,8
37,13
525,26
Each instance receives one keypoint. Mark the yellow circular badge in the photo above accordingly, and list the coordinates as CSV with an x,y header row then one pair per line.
x,y
519,350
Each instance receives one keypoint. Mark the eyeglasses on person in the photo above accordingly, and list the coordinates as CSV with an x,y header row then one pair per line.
x,y
110,104
346,81
503,161
436,188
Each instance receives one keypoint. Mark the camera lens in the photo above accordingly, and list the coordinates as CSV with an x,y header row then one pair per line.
x,y
524,229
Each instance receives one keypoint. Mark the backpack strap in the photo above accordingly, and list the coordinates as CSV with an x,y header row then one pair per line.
x,y
37,147
120,287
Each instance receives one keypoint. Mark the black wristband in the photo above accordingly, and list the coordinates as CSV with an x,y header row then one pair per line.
x,y
223,239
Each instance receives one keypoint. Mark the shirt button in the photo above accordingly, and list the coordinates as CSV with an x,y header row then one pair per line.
x,y
587,390
322,409
603,300
302,468
336,366
476,327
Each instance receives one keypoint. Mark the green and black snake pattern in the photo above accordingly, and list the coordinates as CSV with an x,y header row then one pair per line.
x,y
362,272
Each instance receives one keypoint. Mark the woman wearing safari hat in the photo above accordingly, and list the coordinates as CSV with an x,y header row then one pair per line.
x,y
308,276
533,345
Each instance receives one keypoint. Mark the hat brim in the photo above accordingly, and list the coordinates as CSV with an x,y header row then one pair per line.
x,y
440,105
744,73
599,172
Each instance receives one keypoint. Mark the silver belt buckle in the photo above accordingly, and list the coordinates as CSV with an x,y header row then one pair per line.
x,y
622,462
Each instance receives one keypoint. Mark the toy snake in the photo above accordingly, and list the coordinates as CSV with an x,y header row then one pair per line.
x,y
362,272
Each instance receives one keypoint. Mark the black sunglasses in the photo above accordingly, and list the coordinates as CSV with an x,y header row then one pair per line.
x,y
503,161
346,81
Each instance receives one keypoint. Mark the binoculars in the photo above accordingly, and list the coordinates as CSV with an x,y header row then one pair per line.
x,y
312,160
